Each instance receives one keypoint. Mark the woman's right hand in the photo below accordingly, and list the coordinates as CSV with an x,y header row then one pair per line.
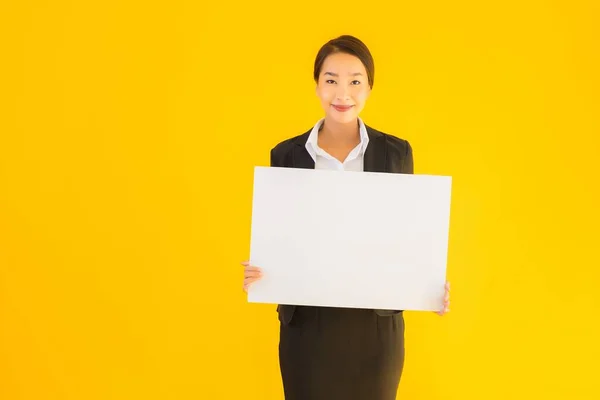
x,y
251,274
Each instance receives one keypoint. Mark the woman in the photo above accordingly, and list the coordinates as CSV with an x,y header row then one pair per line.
x,y
341,353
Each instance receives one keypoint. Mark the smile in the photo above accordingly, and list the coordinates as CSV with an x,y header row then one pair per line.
x,y
342,108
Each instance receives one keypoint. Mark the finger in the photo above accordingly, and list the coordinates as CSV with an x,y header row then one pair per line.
x,y
445,309
245,263
247,285
252,274
248,281
254,270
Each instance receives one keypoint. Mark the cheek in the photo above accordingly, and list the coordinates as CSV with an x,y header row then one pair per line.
x,y
325,95
361,96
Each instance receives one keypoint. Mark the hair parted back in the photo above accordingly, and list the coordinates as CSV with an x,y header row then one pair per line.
x,y
350,45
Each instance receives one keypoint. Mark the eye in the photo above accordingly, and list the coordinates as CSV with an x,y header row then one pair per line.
x,y
330,81
356,82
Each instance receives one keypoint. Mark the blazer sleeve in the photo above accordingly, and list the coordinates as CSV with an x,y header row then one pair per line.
x,y
408,164
279,152
273,159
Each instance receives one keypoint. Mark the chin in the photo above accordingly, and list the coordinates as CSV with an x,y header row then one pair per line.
x,y
343,118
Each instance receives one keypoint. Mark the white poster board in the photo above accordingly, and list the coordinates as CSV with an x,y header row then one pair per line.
x,y
350,239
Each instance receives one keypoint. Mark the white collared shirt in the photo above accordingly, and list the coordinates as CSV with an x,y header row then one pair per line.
x,y
323,160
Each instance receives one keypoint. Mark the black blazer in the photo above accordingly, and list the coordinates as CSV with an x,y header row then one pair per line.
x,y
385,153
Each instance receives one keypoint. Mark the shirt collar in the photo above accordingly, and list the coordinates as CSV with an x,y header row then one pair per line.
x,y
312,145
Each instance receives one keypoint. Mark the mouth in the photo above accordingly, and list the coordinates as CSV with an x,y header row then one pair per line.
x,y
341,108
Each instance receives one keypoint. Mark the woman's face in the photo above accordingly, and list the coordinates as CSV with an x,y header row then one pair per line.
x,y
343,87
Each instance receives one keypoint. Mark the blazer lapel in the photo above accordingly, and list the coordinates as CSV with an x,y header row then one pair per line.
x,y
300,156
374,159
375,156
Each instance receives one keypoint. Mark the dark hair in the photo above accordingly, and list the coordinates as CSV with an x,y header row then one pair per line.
x,y
349,45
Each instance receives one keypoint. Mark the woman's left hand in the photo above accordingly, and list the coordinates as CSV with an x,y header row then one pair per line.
x,y
446,308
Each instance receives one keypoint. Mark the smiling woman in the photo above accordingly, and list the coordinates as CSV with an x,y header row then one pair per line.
x,y
341,353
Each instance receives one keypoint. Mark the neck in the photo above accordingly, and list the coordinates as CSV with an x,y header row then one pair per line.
x,y
343,133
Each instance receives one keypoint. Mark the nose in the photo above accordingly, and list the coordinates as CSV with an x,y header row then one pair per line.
x,y
342,93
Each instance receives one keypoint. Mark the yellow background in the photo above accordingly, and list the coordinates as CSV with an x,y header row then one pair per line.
x,y
129,132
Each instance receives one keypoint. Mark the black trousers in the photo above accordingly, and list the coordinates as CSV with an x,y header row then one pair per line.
x,y
341,353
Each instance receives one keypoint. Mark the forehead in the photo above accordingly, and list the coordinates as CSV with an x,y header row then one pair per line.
x,y
342,63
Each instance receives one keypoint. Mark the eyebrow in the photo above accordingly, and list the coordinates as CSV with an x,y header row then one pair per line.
x,y
334,74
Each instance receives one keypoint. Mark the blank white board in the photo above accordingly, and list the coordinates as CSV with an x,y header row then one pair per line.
x,y
350,239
